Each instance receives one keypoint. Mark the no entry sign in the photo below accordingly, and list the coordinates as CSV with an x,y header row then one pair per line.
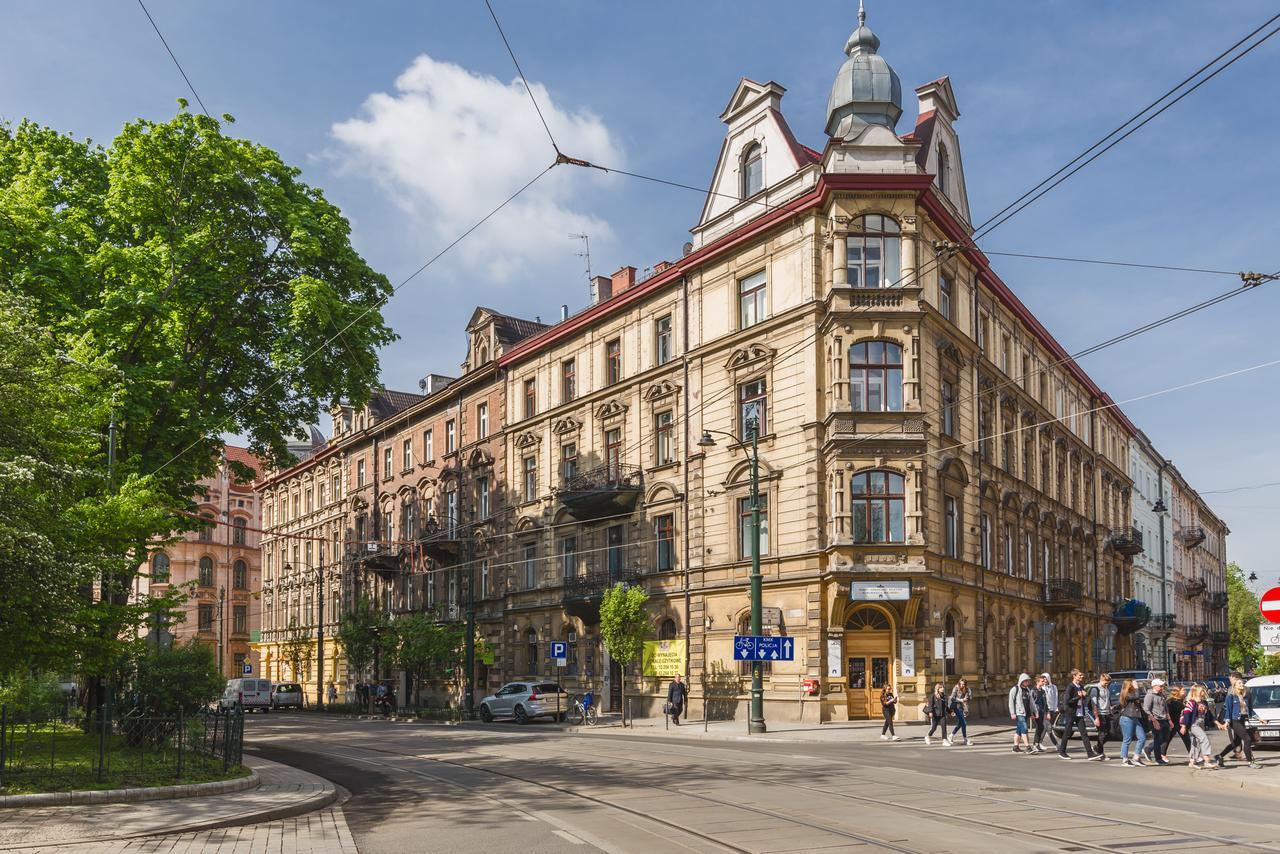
x,y
1270,605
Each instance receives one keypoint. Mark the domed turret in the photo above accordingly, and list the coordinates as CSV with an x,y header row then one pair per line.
x,y
867,90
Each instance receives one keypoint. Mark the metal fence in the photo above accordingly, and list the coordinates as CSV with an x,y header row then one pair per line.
x,y
117,748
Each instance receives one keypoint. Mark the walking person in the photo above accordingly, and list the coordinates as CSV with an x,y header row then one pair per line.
x,y
1131,724
1040,713
1051,703
1197,716
1178,698
677,694
937,709
1075,702
333,693
1100,709
889,706
1235,711
1156,708
1021,705
959,704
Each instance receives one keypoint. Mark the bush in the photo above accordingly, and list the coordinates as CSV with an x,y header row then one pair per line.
x,y
184,677
35,697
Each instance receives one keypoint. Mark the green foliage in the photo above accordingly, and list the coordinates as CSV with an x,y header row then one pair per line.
x,y
33,697
358,632
183,284
183,678
1268,665
423,647
296,648
624,624
1243,619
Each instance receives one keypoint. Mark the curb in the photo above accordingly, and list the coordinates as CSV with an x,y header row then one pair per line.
x,y
775,739
131,796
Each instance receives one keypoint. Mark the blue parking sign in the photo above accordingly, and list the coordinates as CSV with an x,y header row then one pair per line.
x,y
248,669
559,649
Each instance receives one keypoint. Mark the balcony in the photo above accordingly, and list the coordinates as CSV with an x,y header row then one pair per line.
x,y
1196,633
1131,615
1126,541
1220,638
378,557
1063,595
1162,624
1217,600
442,538
1193,588
610,490
583,593
1191,536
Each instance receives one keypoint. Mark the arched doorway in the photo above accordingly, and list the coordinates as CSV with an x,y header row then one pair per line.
x,y
869,659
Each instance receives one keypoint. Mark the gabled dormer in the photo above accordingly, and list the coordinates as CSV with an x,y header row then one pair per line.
x,y
758,159
490,333
939,153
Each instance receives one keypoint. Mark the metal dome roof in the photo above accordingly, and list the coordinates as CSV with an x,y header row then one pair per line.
x,y
866,90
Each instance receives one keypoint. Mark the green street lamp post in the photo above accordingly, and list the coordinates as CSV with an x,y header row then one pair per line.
x,y
755,723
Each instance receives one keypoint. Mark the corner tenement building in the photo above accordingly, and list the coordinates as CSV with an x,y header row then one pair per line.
x,y
945,492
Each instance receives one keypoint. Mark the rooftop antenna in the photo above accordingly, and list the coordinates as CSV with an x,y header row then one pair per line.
x,y
586,251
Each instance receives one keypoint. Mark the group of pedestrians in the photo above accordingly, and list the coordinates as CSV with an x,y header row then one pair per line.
x,y
381,695
1147,720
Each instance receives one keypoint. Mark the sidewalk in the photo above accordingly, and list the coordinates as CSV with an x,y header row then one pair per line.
x,y
785,732
283,792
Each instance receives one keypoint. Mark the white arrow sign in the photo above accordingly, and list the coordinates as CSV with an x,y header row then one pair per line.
x,y
787,646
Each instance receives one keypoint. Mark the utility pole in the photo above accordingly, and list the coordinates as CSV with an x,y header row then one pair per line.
x,y
222,599
320,630
470,641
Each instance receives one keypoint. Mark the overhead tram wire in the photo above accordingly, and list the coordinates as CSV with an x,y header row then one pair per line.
x,y
523,79
1112,263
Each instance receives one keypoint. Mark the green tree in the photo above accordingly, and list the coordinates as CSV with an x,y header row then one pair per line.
x,y
358,632
199,281
624,627
296,649
421,646
1243,619
183,678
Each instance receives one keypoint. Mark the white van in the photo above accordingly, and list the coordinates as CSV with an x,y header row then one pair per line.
x,y
246,695
1264,696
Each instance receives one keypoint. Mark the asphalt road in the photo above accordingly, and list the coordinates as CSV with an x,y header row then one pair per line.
x,y
502,788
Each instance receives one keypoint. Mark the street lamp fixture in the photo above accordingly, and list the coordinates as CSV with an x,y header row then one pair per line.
x,y
755,723
1159,506
1253,576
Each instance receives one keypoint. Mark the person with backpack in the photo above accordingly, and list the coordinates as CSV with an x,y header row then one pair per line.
x,y
1178,698
959,705
1021,707
1156,708
1075,702
889,706
1100,710
1235,711
1131,724
937,711
1196,717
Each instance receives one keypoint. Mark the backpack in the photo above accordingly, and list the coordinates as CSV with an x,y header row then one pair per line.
x,y
1064,701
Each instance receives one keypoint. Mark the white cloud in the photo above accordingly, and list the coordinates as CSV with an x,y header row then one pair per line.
x,y
449,144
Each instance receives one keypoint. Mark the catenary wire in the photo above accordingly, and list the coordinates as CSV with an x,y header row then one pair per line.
x,y
1112,263
523,79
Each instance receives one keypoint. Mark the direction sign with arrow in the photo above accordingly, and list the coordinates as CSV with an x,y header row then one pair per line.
x,y
761,648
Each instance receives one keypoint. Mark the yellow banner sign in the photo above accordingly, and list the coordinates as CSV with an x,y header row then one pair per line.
x,y
663,658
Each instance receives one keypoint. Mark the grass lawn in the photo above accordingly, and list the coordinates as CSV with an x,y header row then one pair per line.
x,y
54,757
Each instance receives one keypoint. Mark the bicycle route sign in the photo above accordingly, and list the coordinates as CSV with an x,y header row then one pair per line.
x,y
758,648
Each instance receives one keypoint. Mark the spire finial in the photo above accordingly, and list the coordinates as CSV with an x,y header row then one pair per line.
x,y
862,14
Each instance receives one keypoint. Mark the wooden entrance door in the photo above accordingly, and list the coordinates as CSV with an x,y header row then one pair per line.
x,y
869,659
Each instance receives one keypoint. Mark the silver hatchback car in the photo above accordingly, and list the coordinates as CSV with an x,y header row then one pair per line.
x,y
525,701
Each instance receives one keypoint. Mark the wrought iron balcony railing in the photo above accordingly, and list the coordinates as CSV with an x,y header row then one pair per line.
x,y
1217,599
1127,541
1063,594
1191,536
1131,615
1162,623
609,490
583,593
1196,633
1194,587
1219,638
443,536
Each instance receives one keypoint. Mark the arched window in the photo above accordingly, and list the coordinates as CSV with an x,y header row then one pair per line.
x,y
206,572
667,630
206,528
752,171
944,169
876,499
531,642
949,633
875,377
870,619
240,575
238,532
874,253
160,569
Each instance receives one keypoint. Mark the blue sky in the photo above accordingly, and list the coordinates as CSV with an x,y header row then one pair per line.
x,y
406,115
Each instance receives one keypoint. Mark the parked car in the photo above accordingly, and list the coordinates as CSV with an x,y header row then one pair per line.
x,y
1114,688
1264,696
246,695
525,701
286,695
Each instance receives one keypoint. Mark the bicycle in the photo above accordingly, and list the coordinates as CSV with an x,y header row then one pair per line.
x,y
583,710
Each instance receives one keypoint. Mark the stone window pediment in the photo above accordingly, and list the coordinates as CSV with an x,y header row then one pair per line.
x,y
660,389
526,440
567,424
479,458
752,355
612,408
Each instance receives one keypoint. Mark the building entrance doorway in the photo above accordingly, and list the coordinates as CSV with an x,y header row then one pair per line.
x,y
869,660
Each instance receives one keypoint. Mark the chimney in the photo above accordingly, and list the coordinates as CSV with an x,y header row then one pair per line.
x,y
564,312
623,279
661,266
601,289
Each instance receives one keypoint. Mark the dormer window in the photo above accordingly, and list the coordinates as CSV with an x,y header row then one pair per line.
x,y
482,352
752,170
944,169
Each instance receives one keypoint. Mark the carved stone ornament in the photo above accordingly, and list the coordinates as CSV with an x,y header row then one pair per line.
x,y
479,458
567,424
660,389
526,439
751,354
612,408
